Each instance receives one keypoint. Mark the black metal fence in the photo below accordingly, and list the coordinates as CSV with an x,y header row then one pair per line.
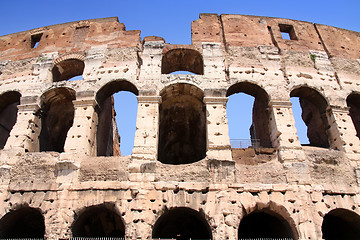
x,y
245,143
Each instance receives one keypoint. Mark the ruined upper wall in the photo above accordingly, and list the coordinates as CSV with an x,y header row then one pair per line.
x,y
252,31
67,37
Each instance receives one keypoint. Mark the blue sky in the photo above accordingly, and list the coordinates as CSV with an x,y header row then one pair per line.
x,y
170,20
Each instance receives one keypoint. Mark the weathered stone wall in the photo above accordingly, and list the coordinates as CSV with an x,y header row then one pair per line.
x,y
298,185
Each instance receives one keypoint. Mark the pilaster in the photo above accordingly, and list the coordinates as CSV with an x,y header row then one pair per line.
x,y
217,129
25,133
146,139
81,138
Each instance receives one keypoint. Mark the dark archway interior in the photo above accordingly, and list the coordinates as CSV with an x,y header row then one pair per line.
x,y
8,114
260,114
98,221
353,102
182,223
313,107
264,225
341,224
67,69
182,129
57,117
105,136
182,59
22,223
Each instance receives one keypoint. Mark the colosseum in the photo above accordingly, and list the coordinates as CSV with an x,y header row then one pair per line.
x,y
62,173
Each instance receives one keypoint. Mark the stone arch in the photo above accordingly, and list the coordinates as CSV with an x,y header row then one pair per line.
x,y
105,136
341,223
101,220
182,223
273,209
67,67
24,222
314,106
272,221
8,114
182,59
57,116
353,102
260,113
182,124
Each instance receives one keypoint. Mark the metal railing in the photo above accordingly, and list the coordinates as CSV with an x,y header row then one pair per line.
x,y
97,238
22,238
245,143
266,239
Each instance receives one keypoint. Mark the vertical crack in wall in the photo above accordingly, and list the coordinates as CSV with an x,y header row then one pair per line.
x,y
282,64
226,53
329,55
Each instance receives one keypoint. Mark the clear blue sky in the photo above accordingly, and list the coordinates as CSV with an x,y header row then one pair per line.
x,y
170,19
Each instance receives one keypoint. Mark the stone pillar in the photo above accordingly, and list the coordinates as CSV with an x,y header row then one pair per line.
x,y
283,132
25,133
151,58
214,65
218,140
342,132
81,137
145,148
284,138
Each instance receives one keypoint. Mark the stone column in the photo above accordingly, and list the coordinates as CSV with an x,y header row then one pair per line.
x,y
218,140
81,137
145,148
284,138
342,132
25,133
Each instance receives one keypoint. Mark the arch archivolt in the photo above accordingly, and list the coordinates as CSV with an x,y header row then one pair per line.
x,y
267,205
173,85
75,56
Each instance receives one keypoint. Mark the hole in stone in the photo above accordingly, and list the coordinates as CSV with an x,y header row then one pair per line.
x,y
35,40
287,32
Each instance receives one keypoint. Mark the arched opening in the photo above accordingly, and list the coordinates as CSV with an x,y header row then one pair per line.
x,y
313,107
68,69
182,130
299,122
25,222
57,117
8,114
182,223
107,137
98,221
183,73
353,102
182,59
259,125
341,224
264,224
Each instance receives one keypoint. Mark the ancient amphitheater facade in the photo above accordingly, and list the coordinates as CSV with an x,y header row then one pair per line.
x,y
62,174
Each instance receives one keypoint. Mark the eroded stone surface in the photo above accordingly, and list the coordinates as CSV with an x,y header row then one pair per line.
x,y
74,181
